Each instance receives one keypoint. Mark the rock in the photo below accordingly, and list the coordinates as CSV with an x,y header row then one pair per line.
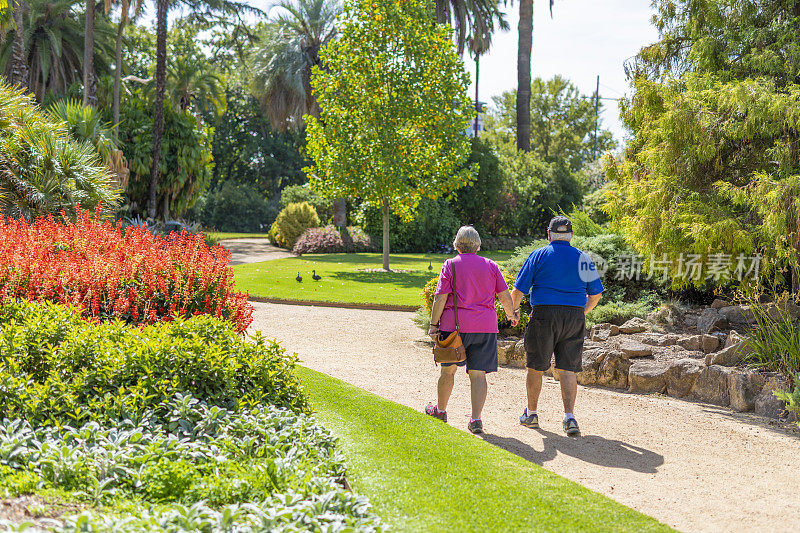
x,y
658,339
711,385
648,377
730,356
516,356
613,371
719,303
632,348
744,386
690,320
766,403
738,314
711,320
699,343
591,365
503,347
681,376
733,338
634,325
600,335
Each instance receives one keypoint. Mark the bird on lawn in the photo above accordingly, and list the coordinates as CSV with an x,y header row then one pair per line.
x,y
299,278
430,265
314,276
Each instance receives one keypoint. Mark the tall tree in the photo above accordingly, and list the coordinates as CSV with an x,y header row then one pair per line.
x,y
158,122
129,10
713,168
88,54
394,107
524,73
19,66
469,18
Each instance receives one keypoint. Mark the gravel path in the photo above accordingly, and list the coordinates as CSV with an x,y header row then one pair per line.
x,y
252,251
695,467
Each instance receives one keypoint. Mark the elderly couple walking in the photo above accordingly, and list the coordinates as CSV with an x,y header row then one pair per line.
x,y
563,285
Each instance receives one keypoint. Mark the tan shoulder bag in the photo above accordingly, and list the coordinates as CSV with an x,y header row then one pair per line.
x,y
451,349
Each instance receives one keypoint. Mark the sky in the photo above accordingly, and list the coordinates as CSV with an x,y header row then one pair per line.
x,y
584,39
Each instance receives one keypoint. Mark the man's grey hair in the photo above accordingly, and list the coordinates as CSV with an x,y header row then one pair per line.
x,y
467,240
560,236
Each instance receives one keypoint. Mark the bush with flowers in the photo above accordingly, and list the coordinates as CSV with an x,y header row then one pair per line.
x,y
114,273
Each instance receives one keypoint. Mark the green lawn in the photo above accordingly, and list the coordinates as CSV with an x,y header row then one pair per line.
x,y
423,475
217,236
345,277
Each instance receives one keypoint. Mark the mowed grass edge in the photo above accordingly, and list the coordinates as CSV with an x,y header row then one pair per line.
x,y
346,278
423,475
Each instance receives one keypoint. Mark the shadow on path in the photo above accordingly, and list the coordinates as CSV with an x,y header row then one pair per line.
x,y
589,448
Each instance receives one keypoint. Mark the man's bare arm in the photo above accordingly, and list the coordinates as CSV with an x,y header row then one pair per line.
x,y
591,302
508,305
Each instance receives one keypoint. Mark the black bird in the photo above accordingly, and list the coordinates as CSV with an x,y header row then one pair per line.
x,y
299,278
430,265
314,276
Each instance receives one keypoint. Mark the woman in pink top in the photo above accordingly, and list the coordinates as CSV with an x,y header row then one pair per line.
x,y
478,280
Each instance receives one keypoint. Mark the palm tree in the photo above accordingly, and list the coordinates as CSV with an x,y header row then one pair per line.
x,y
288,50
19,68
190,83
469,17
479,42
88,54
524,73
129,10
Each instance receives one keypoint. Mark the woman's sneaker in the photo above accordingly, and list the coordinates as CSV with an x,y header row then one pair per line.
x,y
432,410
475,426
571,427
529,421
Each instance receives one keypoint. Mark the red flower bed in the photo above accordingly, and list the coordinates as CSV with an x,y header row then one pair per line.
x,y
112,273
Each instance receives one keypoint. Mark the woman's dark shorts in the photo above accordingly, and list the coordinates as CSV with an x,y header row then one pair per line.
x,y
481,351
559,330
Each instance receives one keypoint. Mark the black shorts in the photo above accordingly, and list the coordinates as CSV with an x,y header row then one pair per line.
x,y
481,351
559,330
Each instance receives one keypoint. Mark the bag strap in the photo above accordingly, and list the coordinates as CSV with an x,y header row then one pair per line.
x,y
455,294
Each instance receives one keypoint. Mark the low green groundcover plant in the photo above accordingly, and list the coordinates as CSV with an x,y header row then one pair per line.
x,y
180,426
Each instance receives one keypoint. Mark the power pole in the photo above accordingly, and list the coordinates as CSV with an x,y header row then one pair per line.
x,y
596,118
477,105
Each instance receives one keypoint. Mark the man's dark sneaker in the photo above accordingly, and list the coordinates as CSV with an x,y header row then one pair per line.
x,y
571,427
529,421
434,411
475,426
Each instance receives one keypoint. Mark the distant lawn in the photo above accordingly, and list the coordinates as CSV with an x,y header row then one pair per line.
x,y
423,475
217,236
346,278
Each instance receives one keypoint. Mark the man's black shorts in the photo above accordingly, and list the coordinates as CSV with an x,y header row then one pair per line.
x,y
481,351
559,330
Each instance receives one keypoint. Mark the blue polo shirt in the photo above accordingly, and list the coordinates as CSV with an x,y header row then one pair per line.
x,y
558,274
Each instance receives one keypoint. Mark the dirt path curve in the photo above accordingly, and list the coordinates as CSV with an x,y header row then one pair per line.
x,y
252,251
695,467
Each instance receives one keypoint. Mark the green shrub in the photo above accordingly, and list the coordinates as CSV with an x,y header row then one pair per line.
x,y
791,397
234,208
432,229
295,194
292,222
55,367
775,337
619,312
472,203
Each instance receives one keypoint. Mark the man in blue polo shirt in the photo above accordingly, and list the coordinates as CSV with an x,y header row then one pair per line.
x,y
564,285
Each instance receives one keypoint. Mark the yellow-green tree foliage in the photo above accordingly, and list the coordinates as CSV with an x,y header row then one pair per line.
x,y
393,109
714,162
292,222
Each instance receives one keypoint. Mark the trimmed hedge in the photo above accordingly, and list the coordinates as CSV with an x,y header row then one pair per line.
x,y
333,240
291,223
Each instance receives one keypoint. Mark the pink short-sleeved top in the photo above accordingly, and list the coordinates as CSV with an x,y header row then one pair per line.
x,y
477,280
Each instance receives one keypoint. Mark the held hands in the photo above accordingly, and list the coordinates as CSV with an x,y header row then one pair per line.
x,y
515,317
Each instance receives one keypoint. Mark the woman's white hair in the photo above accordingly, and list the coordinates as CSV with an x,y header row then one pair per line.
x,y
467,240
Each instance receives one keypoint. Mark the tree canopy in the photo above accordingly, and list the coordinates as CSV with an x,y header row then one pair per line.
x,y
394,110
713,166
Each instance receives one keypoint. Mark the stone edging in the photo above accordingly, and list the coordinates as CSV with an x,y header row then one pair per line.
x,y
342,305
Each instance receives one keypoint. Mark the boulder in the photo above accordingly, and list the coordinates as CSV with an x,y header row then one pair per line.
x,y
608,326
699,343
648,377
613,371
731,356
744,386
503,347
600,335
733,338
711,320
711,385
658,339
719,303
766,404
634,325
738,314
516,356
591,366
631,348
690,320
681,376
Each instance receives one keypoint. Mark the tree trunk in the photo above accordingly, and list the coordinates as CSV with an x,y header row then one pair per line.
x,y
386,212
524,75
158,121
166,207
117,77
442,10
477,105
19,55
88,55
340,213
